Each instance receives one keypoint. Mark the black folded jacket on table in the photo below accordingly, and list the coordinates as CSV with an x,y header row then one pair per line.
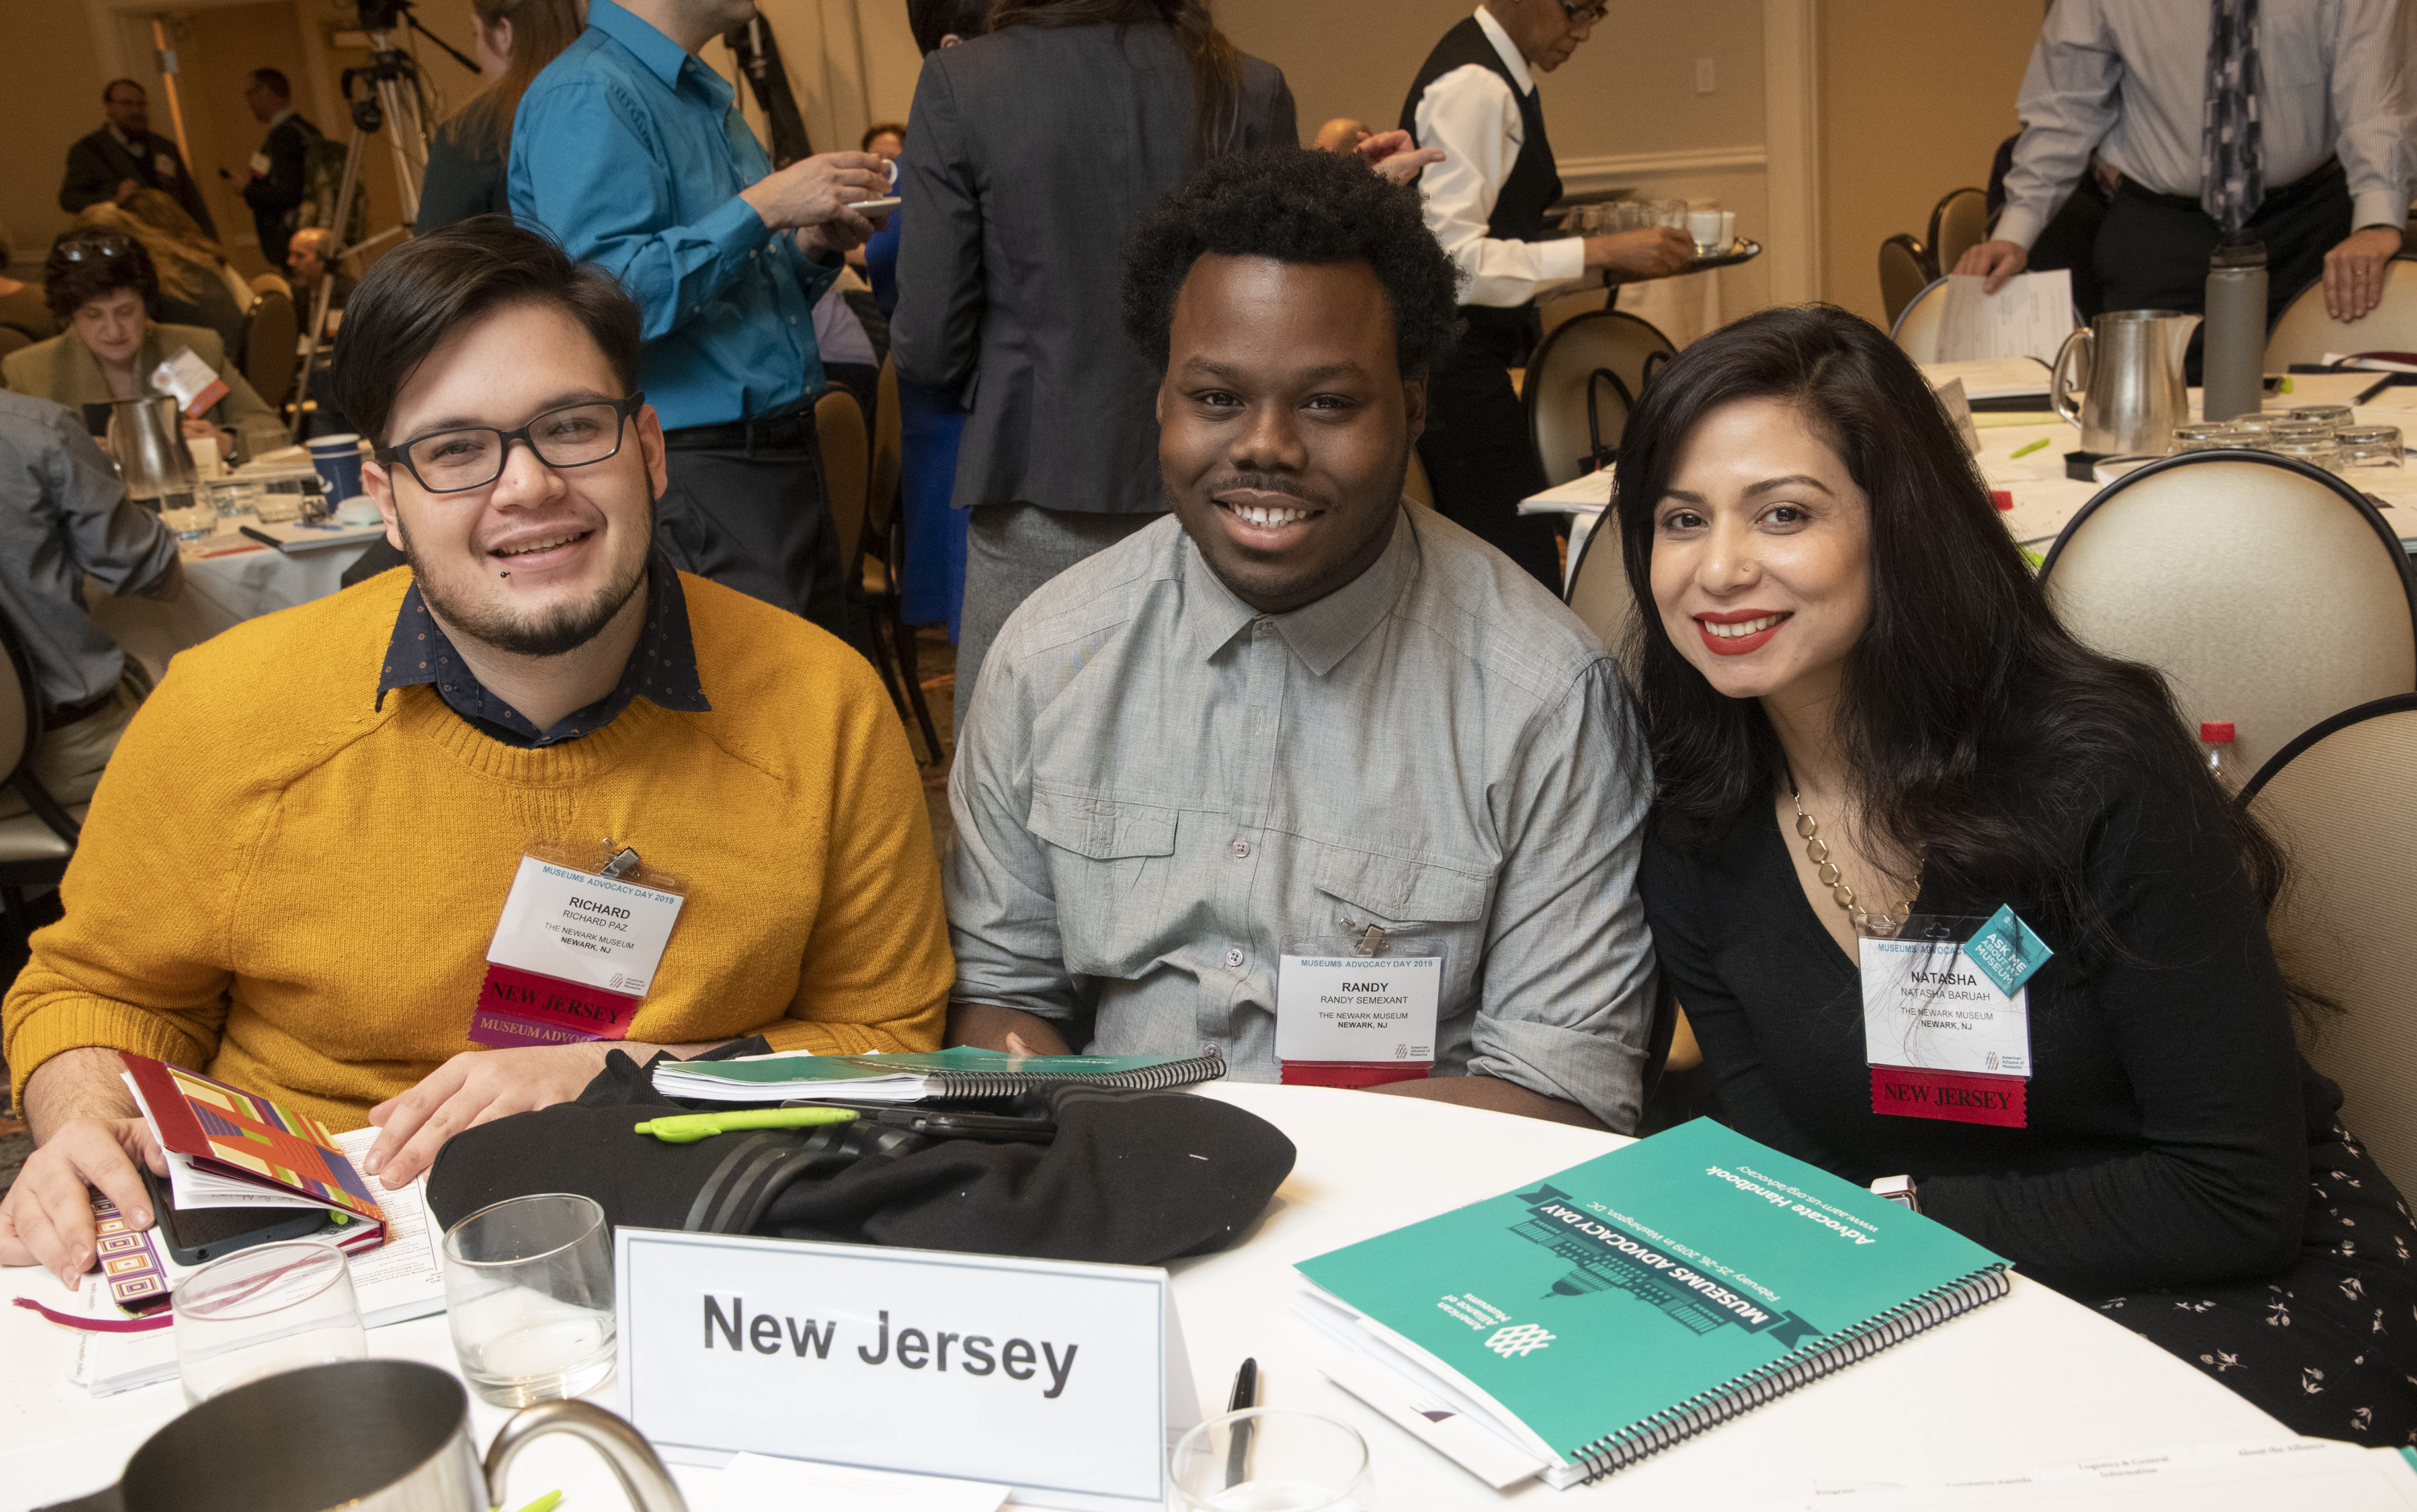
x,y
1133,1178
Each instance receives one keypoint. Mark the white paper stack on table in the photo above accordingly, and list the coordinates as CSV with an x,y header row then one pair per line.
x,y
2030,317
399,1281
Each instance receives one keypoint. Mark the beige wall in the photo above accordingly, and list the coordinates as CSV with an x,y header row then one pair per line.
x,y
1915,98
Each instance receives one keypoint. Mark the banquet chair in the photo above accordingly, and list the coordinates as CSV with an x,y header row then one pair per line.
x,y
847,464
882,571
266,282
1581,384
2306,334
2339,800
1555,313
12,340
1958,222
35,846
1915,330
270,330
1905,269
2269,593
1600,595
1414,482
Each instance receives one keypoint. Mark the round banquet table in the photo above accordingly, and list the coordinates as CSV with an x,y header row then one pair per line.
x,y
2032,1380
226,583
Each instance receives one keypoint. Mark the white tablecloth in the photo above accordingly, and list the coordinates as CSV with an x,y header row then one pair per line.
x,y
221,590
2029,1380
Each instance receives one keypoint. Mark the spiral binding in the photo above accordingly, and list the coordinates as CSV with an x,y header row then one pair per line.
x,y
1713,1407
1009,1083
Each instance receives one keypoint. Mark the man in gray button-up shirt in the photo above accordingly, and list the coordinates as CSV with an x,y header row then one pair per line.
x,y
1302,700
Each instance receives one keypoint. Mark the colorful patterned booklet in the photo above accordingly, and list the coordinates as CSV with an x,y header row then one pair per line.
x,y
1573,1327
227,1148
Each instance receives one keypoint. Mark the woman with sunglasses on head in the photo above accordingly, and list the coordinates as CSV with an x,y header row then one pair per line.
x,y
1886,775
101,286
1476,104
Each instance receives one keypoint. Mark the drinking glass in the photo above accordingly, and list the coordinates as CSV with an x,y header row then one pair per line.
x,y
2254,426
232,498
1272,1459
2324,454
262,1310
2332,415
1671,213
2369,445
528,1293
2212,435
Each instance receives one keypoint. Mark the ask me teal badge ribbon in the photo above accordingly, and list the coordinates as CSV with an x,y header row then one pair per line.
x,y
2006,951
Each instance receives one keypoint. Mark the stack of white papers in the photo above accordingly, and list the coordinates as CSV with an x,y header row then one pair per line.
x,y
1991,377
2030,317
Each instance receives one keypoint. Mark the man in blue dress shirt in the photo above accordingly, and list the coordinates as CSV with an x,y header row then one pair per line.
x,y
629,148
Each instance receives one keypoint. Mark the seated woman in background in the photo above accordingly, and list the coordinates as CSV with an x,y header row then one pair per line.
x,y
516,38
22,309
99,285
191,291
1863,709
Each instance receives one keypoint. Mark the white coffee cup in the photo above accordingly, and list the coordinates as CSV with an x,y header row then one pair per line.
x,y
1729,228
1705,227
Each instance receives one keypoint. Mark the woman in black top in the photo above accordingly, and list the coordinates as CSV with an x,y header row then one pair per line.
x,y
1862,708
470,152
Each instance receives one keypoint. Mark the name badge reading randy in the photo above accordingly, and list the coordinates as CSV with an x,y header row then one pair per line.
x,y
576,949
1943,1038
1350,1019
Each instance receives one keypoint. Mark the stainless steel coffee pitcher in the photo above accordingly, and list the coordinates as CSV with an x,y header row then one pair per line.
x,y
2131,377
146,437
361,1435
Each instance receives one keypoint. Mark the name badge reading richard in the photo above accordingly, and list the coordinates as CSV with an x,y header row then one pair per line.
x,y
1944,1039
1349,1020
574,952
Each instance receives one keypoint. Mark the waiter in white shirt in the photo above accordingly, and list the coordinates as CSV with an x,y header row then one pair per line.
x,y
1475,98
2287,120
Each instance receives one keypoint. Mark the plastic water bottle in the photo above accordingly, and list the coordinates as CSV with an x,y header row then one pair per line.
x,y
2215,750
2234,361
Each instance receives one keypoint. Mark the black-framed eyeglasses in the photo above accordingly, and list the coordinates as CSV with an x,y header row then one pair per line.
x,y
1585,15
472,456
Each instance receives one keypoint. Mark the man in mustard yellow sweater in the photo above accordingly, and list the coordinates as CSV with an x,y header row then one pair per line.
x,y
337,845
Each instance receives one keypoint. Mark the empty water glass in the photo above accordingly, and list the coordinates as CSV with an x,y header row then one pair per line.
x,y
1271,1459
2211,435
1672,213
2324,453
263,1310
2369,445
2333,415
2252,425
528,1293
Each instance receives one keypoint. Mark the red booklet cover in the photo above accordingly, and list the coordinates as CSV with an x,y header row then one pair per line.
x,y
230,1133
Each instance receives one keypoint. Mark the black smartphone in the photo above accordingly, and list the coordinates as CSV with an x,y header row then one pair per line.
x,y
193,1235
1005,1120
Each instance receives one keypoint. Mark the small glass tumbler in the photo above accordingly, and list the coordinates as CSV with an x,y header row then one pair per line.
x,y
528,1293
2252,425
263,1310
2324,454
1271,1459
2369,445
2332,415
2213,435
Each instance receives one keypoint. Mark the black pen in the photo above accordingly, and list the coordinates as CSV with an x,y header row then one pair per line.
x,y
2374,388
1246,1394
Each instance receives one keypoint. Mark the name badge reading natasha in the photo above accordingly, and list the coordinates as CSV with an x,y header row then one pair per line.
x,y
1345,1019
576,949
1944,1037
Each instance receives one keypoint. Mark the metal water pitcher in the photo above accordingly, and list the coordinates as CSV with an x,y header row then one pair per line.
x,y
146,437
2130,368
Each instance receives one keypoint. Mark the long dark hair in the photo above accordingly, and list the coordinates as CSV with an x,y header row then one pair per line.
x,y
1216,63
541,30
1967,713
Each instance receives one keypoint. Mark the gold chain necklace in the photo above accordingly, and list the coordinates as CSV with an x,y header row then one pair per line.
x,y
1818,854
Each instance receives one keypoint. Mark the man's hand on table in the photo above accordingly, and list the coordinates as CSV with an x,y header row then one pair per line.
x,y
80,1117
989,1026
1995,261
2354,271
1493,1094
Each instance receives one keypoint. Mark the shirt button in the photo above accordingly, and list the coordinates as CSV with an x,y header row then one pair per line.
x,y
1232,958
1242,850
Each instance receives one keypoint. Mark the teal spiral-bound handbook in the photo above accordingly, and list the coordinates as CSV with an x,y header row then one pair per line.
x,y
1588,1320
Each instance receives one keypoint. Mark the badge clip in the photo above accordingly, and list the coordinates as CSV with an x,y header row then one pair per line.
x,y
623,861
1370,940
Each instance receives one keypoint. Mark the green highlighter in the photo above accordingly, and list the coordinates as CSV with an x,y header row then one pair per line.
x,y
687,1128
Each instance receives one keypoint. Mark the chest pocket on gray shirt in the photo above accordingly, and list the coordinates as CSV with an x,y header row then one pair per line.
x,y
1410,897
1108,864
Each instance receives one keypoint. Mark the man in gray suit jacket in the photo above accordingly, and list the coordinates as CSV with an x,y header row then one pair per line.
x,y
1035,152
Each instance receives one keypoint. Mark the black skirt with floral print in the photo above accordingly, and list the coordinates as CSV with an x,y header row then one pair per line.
x,y
2330,1346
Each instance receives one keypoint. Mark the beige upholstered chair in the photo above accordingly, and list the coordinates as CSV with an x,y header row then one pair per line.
x,y
265,282
2305,333
33,846
884,538
1414,482
847,464
1594,365
2340,800
1600,595
271,329
1904,273
1915,329
2270,593
1556,313
1958,222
